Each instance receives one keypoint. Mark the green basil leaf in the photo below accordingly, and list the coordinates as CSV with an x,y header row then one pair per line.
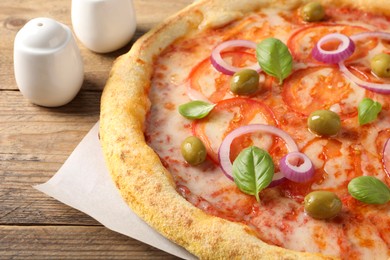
x,y
368,110
253,170
369,190
274,58
195,109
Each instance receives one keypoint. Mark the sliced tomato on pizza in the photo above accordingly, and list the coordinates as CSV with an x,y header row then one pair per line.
x,y
302,41
336,163
214,85
315,88
364,72
228,115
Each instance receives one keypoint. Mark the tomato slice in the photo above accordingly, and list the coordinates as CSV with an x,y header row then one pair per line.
x,y
326,155
311,89
213,84
228,115
302,41
364,72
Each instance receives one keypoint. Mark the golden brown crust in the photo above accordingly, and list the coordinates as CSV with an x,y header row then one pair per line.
x,y
137,171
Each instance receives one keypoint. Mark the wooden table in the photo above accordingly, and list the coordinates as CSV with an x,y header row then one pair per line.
x,y
35,141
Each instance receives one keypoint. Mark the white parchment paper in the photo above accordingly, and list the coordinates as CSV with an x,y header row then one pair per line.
x,y
83,182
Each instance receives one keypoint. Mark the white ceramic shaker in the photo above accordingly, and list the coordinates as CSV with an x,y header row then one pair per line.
x,y
103,25
48,66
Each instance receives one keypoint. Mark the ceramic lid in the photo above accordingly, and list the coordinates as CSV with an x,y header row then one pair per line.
x,y
43,34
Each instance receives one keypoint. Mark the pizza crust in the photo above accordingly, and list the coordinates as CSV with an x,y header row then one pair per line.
x,y
136,169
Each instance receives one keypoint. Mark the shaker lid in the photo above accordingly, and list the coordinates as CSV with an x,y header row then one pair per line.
x,y
43,34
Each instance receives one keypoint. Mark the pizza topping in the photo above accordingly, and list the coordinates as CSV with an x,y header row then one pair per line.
x,y
375,87
274,58
344,50
193,150
374,34
222,66
302,41
380,65
322,204
194,94
324,122
369,190
208,84
368,110
228,115
368,41
386,156
224,149
297,167
277,180
253,170
312,12
195,109
321,87
244,82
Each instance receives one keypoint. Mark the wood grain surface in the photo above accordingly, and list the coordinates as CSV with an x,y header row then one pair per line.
x,y
35,142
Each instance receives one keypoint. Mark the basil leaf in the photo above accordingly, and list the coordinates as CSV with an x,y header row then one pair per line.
x,y
369,190
274,58
253,170
368,110
195,109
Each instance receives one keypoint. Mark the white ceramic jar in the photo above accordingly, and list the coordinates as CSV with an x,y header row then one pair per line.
x,y
47,63
103,25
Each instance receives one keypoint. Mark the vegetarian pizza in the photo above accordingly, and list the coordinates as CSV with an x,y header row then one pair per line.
x,y
258,129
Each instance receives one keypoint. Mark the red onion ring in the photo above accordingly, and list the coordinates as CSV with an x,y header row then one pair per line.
x,y
297,167
365,35
222,66
277,179
224,149
386,157
344,50
375,87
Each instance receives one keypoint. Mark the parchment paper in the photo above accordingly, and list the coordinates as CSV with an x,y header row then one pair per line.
x,y
83,182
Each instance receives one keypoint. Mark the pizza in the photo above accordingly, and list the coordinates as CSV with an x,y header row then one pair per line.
x,y
258,129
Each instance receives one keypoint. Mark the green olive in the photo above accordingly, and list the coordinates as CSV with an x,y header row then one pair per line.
x,y
380,65
244,82
193,150
324,122
322,204
312,12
